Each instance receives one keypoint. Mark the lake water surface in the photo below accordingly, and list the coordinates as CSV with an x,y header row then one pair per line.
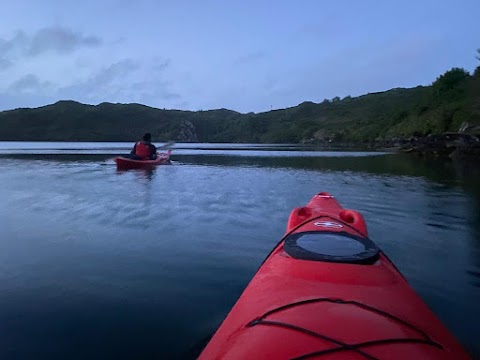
x,y
96,263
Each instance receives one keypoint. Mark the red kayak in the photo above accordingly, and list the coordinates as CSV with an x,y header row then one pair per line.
x,y
124,163
326,291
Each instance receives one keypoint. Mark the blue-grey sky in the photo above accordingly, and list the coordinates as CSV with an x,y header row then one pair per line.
x,y
242,55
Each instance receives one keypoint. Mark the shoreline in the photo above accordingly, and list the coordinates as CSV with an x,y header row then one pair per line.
x,y
448,145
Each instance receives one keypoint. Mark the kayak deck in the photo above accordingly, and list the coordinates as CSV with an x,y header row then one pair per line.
x,y
307,309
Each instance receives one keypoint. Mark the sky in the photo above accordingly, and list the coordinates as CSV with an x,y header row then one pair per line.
x,y
240,55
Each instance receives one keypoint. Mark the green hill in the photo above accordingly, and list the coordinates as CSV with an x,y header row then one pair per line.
x,y
454,98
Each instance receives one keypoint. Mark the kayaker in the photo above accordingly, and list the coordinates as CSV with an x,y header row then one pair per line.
x,y
144,149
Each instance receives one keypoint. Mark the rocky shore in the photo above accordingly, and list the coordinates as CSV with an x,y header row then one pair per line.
x,y
453,145
462,144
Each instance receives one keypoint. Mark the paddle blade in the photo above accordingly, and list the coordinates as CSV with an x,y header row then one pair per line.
x,y
167,145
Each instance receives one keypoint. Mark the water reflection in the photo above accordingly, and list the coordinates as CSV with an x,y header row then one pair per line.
x,y
140,174
140,184
439,170
475,242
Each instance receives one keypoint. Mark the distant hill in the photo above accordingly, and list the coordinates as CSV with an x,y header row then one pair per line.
x,y
454,98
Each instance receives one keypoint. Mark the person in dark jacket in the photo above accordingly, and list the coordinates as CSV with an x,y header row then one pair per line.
x,y
144,149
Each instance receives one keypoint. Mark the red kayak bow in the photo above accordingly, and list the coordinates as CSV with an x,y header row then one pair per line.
x,y
326,291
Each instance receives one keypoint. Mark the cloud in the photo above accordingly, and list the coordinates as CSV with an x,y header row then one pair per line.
x,y
5,64
114,72
108,80
125,81
52,39
59,40
119,82
30,84
160,64
154,88
249,58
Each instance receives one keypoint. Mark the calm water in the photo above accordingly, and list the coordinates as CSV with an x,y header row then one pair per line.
x,y
98,264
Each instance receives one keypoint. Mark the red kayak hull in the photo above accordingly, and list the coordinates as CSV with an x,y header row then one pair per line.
x,y
124,163
306,309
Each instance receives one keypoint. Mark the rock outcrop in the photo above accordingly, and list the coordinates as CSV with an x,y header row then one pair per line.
x,y
187,132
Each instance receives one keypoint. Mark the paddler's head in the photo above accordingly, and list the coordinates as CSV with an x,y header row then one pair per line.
x,y
147,137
